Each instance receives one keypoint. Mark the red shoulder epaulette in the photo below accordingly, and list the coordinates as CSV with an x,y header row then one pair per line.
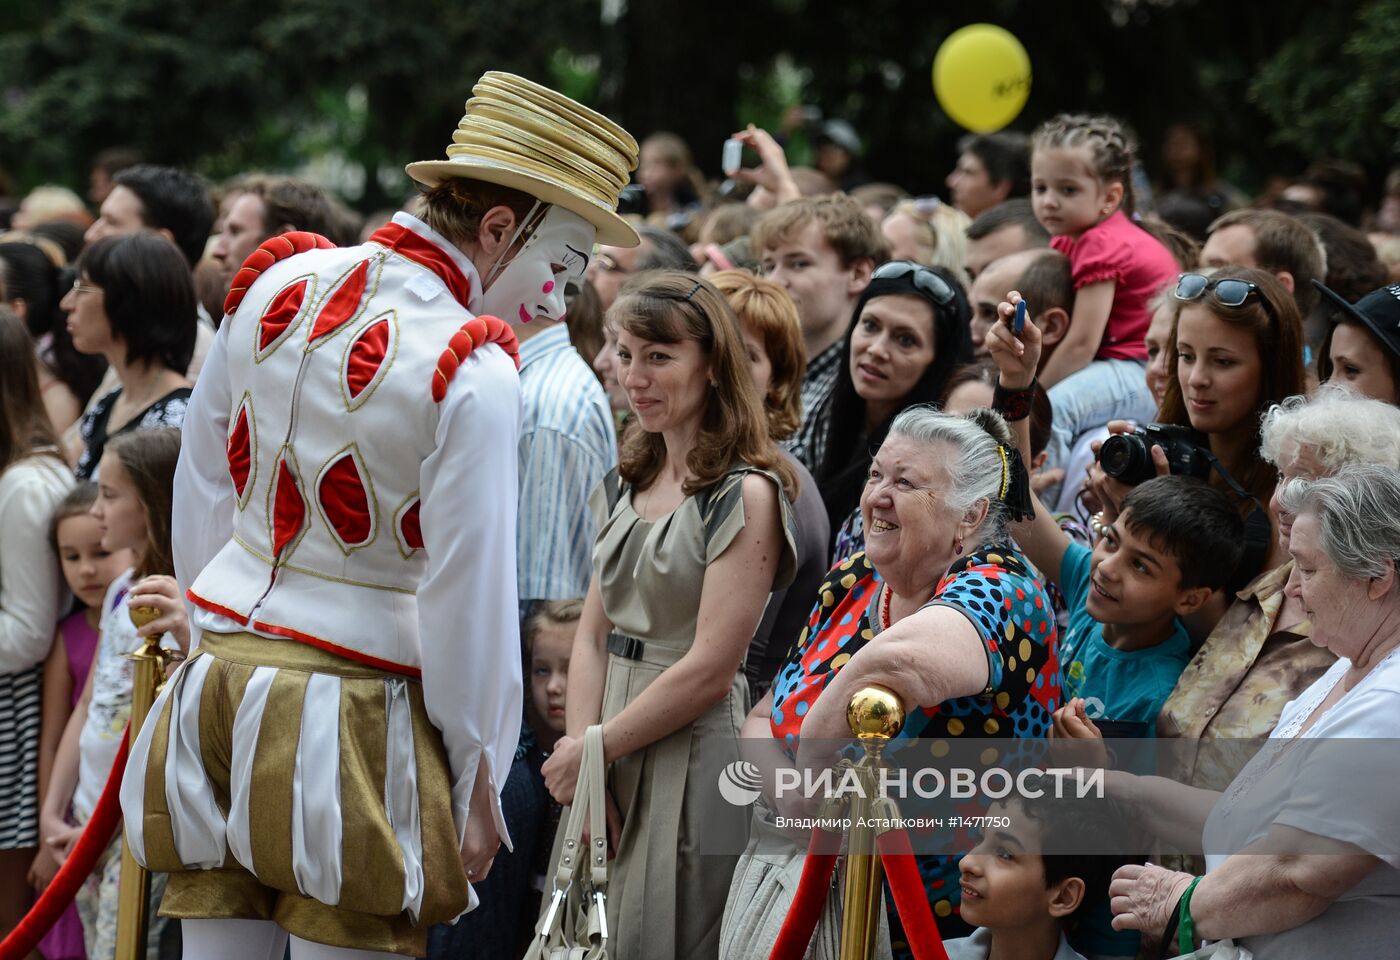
x,y
269,252
474,333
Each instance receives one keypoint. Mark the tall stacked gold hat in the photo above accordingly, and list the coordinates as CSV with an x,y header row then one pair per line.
x,y
519,134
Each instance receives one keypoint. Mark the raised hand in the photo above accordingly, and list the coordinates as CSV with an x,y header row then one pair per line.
x,y
1017,356
162,593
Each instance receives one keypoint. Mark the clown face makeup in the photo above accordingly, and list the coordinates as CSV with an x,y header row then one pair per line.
x,y
532,283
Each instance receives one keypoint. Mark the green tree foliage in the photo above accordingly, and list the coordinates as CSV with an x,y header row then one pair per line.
x,y
235,85
1334,88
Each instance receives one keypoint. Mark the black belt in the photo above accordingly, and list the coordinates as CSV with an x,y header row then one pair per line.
x,y
629,648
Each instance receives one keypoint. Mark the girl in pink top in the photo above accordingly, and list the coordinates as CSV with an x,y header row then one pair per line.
x,y
1082,193
88,570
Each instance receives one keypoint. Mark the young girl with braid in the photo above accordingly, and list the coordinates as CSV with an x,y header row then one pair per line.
x,y
1081,190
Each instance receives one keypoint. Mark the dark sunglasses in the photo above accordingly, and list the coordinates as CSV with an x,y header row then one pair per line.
x,y
1228,291
924,278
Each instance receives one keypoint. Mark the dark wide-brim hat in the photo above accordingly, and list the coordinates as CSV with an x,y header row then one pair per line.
x,y
1378,311
519,134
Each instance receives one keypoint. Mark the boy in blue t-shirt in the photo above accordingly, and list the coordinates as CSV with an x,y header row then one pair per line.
x,y
1177,540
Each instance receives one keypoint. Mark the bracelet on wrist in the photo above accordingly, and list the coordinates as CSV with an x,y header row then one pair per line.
x,y
1014,403
1098,525
1186,925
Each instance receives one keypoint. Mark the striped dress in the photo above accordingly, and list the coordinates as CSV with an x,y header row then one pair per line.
x,y
30,592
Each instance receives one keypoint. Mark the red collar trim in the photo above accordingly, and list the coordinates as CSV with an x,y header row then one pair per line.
x,y
425,253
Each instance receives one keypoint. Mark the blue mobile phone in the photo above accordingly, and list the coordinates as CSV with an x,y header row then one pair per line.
x,y
1019,323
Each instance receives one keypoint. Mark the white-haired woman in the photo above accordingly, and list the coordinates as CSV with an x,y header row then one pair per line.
x,y
1260,655
1303,859
940,608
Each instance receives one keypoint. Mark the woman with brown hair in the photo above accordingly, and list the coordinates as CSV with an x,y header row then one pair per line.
x,y
33,478
695,533
1235,350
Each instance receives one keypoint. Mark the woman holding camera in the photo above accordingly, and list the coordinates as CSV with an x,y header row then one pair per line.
x,y
1236,349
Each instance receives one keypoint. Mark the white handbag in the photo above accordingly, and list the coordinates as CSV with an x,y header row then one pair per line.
x,y
573,922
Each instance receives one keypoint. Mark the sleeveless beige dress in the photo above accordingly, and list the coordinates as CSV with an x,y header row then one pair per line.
x,y
666,899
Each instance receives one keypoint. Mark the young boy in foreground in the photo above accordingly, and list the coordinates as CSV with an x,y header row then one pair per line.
x,y
1022,900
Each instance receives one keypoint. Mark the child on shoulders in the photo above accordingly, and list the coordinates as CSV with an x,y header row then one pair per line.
x,y
1081,190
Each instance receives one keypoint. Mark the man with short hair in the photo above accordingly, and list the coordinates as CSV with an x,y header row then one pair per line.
x,y
990,288
263,207
1272,241
614,266
821,250
991,169
174,204
171,202
1005,229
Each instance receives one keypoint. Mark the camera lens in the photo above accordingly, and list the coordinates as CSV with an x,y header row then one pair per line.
x,y
1125,457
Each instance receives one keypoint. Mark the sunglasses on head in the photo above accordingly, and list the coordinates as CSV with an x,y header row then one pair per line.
x,y
925,279
1228,291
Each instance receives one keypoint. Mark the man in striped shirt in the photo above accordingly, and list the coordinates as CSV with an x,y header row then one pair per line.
x,y
567,446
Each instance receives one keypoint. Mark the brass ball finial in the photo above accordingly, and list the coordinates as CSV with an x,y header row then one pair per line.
x,y
140,616
875,713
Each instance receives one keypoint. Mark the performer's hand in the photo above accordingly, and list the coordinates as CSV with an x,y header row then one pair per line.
x,y
163,593
561,769
480,845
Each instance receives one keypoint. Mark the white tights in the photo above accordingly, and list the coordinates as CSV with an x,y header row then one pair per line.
x,y
257,940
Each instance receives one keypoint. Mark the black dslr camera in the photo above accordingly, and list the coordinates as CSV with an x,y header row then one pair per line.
x,y
1127,457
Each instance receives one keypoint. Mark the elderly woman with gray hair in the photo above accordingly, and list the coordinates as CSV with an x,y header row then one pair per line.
x,y
941,609
1260,655
1303,858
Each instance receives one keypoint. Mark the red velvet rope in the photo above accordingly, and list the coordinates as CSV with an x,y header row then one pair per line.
x,y
97,836
808,901
910,900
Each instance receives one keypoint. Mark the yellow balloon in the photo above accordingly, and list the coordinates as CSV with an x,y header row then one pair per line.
x,y
982,76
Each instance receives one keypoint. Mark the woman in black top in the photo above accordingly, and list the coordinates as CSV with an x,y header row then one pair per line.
x,y
908,333
134,303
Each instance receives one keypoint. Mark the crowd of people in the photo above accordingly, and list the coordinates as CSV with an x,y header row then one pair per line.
x,y
1057,456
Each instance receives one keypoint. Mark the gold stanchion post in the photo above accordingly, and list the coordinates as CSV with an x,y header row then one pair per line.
x,y
875,716
134,892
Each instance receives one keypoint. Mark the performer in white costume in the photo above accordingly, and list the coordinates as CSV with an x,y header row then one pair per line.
x,y
328,763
